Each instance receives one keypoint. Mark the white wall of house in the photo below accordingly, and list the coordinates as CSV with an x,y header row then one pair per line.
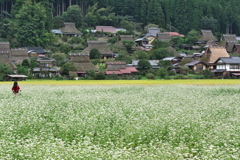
x,y
229,67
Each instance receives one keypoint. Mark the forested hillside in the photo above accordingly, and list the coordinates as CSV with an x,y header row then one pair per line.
x,y
40,16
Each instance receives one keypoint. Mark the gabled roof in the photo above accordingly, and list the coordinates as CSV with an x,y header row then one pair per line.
x,y
193,63
70,28
229,60
110,29
154,63
213,53
153,31
207,35
229,37
100,45
127,70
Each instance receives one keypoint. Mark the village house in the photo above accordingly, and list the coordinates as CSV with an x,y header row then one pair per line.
x,y
45,67
5,55
205,36
70,30
212,54
120,68
82,64
102,48
229,40
227,67
19,55
36,51
128,38
196,66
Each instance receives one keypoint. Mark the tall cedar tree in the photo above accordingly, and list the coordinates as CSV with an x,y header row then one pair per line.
x,y
155,13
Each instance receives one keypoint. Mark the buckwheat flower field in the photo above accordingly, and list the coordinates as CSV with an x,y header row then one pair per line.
x,y
112,122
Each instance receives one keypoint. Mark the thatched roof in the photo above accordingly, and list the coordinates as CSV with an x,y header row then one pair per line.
x,y
4,46
70,28
236,48
163,37
18,55
100,45
229,37
207,35
213,53
126,37
176,54
81,62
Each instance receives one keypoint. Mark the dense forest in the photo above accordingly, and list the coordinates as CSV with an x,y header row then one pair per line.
x,y
35,18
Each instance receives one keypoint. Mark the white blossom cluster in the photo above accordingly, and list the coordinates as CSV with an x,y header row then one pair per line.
x,y
120,122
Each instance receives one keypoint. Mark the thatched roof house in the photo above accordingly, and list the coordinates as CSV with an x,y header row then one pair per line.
x,y
212,54
207,35
163,37
229,40
81,62
153,31
5,54
70,30
18,55
236,48
101,46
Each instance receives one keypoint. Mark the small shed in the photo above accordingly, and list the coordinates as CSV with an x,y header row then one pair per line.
x,y
15,78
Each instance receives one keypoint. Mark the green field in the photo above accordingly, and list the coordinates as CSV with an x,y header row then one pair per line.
x,y
175,119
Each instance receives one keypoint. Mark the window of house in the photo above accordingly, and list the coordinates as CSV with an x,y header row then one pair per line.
x,y
234,66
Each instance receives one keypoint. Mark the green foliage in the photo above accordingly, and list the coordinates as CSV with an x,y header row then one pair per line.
x,y
161,53
124,57
160,44
73,14
209,23
60,58
99,76
95,54
127,25
64,48
69,66
155,13
150,76
144,64
141,55
165,64
128,45
25,63
162,73
22,70
4,70
31,25
207,74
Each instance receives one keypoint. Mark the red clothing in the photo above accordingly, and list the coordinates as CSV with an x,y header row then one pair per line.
x,y
15,89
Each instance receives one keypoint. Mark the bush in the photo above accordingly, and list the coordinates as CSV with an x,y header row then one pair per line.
x,y
99,76
150,76
112,77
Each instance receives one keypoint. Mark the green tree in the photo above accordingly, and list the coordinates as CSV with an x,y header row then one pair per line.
x,y
128,45
161,53
30,25
67,67
4,70
25,63
127,25
144,64
60,58
141,55
95,54
73,14
22,70
155,13
209,23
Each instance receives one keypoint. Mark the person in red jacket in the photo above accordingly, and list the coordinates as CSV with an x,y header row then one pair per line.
x,y
16,88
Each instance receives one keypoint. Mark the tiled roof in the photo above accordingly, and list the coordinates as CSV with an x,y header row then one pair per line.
x,y
110,29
